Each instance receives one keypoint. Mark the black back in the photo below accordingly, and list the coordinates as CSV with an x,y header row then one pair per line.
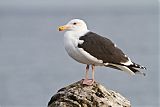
x,y
102,48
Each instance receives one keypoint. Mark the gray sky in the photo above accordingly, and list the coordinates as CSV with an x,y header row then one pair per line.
x,y
73,3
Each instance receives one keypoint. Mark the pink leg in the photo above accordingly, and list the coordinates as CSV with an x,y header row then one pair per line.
x,y
93,69
87,69
87,81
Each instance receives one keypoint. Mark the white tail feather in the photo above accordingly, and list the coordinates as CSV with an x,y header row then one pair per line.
x,y
123,68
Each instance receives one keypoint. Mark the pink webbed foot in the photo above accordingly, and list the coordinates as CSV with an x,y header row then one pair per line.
x,y
87,81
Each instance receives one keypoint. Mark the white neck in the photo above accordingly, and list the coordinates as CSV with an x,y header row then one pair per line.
x,y
77,34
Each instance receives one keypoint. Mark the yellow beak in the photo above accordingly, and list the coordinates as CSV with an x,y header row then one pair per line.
x,y
62,28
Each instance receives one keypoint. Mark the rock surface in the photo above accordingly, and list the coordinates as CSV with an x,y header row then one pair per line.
x,y
79,95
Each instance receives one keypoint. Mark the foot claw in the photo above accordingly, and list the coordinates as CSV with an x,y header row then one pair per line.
x,y
88,81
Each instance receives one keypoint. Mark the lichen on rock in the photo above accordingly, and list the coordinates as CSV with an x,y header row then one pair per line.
x,y
79,95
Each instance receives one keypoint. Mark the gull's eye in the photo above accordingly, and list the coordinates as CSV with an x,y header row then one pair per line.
x,y
74,23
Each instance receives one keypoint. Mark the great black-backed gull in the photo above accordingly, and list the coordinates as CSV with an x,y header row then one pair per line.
x,y
92,49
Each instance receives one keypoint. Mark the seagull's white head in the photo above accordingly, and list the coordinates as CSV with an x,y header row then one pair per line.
x,y
76,25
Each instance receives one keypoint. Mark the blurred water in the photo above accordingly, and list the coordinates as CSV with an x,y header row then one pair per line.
x,y
34,64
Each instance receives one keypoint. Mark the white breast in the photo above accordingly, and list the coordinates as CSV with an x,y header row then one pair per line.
x,y
71,41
